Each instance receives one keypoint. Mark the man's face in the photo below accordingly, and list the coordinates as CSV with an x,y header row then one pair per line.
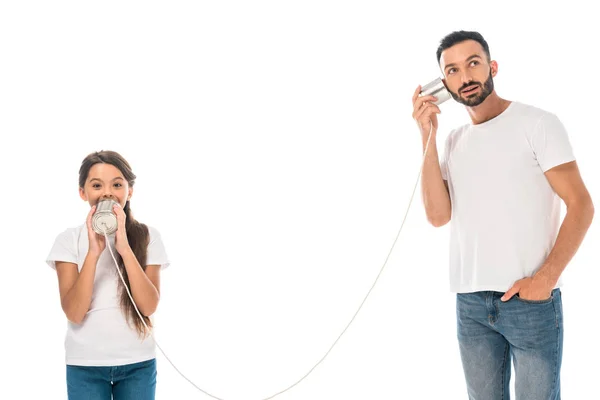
x,y
468,74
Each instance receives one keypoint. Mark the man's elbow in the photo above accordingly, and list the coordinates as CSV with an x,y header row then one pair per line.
x,y
585,207
438,220
591,210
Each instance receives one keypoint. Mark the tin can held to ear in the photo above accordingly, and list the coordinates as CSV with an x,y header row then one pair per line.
x,y
438,89
104,219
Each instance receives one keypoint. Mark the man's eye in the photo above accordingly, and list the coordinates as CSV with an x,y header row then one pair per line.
x,y
474,62
451,70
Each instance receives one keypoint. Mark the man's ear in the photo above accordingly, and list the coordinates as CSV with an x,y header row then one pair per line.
x,y
494,68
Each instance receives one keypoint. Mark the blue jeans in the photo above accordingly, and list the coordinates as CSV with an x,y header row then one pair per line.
x,y
491,332
125,382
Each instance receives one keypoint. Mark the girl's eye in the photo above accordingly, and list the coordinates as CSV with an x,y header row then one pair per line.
x,y
95,185
118,185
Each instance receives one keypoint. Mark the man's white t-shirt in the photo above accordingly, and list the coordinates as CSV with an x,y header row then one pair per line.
x,y
505,215
104,338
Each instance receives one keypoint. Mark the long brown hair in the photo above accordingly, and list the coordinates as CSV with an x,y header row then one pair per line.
x,y
137,233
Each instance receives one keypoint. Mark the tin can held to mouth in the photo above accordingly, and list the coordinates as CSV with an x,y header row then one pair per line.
x,y
438,89
104,219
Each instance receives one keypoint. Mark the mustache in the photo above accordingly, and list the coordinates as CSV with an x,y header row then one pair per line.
x,y
463,87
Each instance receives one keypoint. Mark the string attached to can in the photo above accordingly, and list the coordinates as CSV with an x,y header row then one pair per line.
x,y
343,331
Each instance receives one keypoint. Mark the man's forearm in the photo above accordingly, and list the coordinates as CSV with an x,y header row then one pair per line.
x,y
434,192
570,236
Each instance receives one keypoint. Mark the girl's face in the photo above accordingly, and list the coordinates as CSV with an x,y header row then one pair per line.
x,y
105,181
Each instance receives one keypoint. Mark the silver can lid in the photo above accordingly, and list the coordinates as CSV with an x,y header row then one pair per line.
x,y
104,222
433,86
438,89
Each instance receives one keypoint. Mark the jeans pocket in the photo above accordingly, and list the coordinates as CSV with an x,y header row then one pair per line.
x,y
545,301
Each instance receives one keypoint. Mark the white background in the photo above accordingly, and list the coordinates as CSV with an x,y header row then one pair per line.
x,y
276,153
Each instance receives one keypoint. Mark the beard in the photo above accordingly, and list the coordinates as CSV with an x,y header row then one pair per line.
x,y
474,100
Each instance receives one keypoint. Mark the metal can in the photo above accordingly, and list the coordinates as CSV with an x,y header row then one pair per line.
x,y
438,89
104,219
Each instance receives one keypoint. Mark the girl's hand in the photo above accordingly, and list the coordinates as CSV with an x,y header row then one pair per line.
x,y
97,242
121,242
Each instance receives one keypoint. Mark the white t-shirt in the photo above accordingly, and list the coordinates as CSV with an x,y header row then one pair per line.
x,y
505,215
104,338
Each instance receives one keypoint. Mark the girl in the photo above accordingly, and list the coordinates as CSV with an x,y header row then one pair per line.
x,y
108,351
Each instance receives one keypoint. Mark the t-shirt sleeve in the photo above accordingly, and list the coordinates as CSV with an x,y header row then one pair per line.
x,y
550,142
156,254
64,249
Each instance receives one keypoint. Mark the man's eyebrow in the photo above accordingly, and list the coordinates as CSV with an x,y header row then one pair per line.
x,y
468,59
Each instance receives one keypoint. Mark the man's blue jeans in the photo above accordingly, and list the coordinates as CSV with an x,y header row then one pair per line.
x,y
491,332
125,382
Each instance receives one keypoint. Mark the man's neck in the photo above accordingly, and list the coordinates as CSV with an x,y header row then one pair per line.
x,y
491,107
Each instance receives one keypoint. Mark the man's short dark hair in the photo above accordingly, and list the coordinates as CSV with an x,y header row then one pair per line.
x,y
460,36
